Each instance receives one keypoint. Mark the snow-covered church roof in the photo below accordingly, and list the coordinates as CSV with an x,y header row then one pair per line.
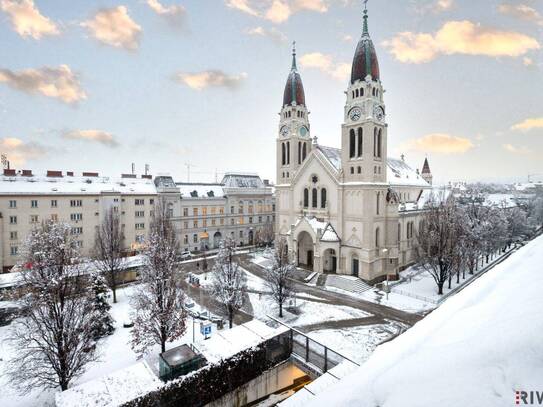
x,y
398,171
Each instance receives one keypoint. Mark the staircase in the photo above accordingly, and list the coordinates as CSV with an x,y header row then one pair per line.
x,y
348,283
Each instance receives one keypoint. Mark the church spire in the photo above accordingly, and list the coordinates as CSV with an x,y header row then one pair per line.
x,y
365,30
294,67
294,89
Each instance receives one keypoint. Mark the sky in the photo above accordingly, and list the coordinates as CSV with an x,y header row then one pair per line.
x,y
198,84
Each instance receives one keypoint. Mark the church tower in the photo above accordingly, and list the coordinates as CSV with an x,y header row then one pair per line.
x,y
364,130
293,141
426,173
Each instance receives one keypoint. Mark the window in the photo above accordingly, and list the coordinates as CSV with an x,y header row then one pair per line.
x,y
13,220
221,210
377,240
377,201
231,209
240,209
14,250
241,233
195,238
195,224
241,220
33,203
33,218
140,214
299,152
222,221
213,222
360,138
352,144
288,152
53,203
375,141
76,202
76,216
186,239
260,219
185,225
54,217
232,221
283,154
359,170
13,235
204,211
251,208
356,93
78,243
77,230
250,219
379,139
152,201
185,211
306,197
140,238
323,198
361,91
13,204
314,198
140,226
399,232
304,151
352,170
140,202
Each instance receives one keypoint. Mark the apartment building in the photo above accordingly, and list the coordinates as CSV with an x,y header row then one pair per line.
x,y
27,199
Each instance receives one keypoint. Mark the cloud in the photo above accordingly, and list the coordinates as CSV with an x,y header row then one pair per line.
x,y
97,136
529,124
459,37
114,27
326,64
432,6
347,38
522,12
19,151
440,143
60,83
277,11
175,14
517,150
211,78
272,33
26,19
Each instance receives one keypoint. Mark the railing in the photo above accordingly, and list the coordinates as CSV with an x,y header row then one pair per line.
x,y
313,353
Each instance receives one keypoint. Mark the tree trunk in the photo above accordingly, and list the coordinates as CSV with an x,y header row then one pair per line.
x,y
280,309
163,346
230,316
440,288
114,289
450,278
458,277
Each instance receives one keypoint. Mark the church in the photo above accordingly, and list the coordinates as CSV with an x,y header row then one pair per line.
x,y
351,210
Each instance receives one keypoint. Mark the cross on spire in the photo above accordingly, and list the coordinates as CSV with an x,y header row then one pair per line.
x,y
294,55
365,29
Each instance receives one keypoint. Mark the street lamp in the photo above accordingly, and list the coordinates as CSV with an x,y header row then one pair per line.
x,y
385,253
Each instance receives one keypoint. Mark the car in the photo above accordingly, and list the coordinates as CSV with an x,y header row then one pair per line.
x,y
186,255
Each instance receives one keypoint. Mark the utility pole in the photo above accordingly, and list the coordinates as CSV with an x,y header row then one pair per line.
x,y
188,165
146,169
133,168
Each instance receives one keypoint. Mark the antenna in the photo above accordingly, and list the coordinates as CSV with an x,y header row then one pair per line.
x,y
133,168
188,165
146,169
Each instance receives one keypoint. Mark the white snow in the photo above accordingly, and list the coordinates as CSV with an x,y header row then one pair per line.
x,y
474,350
202,190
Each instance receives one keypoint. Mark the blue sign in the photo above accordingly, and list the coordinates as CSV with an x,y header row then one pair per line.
x,y
205,329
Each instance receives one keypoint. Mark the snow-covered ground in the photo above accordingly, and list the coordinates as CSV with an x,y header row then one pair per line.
x,y
115,354
475,350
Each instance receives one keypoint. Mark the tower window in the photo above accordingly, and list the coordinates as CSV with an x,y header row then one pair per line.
x,y
379,138
306,197
304,151
352,144
314,198
360,142
283,154
352,170
288,152
353,94
377,202
323,198
377,237
361,91
359,170
299,152
356,93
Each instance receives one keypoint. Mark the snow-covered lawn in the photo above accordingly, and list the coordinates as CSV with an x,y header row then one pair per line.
x,y
356,343
115,353
475,350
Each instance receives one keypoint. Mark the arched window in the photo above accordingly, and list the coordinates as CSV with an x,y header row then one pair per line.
x,y
306,197
288,152
362,92
299,152
352,144
377,202
353,94
360,133
314,198
283,154
359,170
323,198
377,238
304,151
356,93
379,138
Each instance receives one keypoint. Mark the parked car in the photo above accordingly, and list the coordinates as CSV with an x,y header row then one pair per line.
x,y
187,255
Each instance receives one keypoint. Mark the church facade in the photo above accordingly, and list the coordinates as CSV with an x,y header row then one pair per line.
x,y
349,210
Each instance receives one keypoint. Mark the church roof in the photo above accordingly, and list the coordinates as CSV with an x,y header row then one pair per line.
x,y
294,88
426,167
365,58
398,171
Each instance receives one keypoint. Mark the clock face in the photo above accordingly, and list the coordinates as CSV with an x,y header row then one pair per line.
x,y
355,114
303,131
284,131
379,113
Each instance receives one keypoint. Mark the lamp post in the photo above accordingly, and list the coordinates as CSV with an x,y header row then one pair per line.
x,y
385,254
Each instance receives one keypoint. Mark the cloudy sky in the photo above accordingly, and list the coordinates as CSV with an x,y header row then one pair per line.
x,y
98,85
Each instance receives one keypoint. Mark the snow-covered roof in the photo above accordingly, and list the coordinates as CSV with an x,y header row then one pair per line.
x,y
529,186
401,174
224,344
74,185
332,154
436,193
501,200
112,390
200,190
328,232
241,180
476,349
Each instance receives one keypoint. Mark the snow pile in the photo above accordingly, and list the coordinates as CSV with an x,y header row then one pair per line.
x,y
475,350
111,390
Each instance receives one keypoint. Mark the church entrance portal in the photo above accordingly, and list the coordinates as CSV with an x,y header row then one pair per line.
x,y
305,251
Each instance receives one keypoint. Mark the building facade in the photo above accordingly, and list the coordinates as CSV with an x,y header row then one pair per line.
x,y
241,207
349,210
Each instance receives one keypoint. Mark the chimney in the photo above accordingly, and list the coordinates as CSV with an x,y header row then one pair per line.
x,y
52,173
266,182
129,176
90,174
9,172
70,173
27,173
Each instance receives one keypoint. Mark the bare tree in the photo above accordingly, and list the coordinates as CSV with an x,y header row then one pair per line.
x,y
279,276
267,233
228,279
437,237
54,340
108,249
159,299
